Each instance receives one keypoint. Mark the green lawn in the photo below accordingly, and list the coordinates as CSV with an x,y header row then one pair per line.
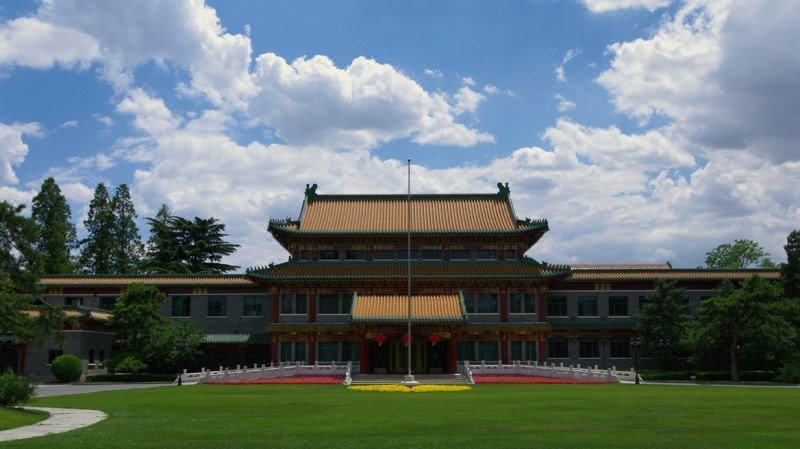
x,y
489,416
11,418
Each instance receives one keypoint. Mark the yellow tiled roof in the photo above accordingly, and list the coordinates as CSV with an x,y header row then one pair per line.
x,y
159,280
73,312
394,309
620,266
390,214
677,274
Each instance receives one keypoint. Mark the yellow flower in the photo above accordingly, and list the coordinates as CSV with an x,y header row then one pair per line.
x,y
395,388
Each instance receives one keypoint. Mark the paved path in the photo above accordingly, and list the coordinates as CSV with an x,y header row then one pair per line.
x,y
45,390
60,420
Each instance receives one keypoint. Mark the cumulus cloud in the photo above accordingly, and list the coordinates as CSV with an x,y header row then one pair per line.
x,y
31,42
602,6
13,149
310,101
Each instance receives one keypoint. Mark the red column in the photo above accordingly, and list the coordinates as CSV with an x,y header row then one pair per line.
x,y
504,306
363,353
312,307
543,351
312,349
452,354
542,298
273,348
504,348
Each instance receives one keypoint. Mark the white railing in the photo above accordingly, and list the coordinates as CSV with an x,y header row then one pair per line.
x,y
284,369
533,368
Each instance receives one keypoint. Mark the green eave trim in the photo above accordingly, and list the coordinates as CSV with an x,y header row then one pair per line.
x,y
507,327
594,324
236,339
307,327
533,228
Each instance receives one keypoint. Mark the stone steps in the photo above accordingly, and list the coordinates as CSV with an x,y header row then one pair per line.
x,y
422,379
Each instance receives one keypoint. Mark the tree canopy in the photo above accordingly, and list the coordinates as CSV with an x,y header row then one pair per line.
x,y
52,214
97,249
737,255
662,321
137,316
790,271
127,249
18,255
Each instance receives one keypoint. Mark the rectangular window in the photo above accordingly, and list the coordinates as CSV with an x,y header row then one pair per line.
x,y
217,306
293,304
355,254
431,254
557,348
511,254
328,254
293,352
480,302
589,348
108,302
383,254
338,351
523,350
91,358
73,301
253,305
485,254
102,359
335,303
52,354
403,254
305,255
488,351
466,350
587,306
522,303
556,306
620,348
617,306
181,306
460,254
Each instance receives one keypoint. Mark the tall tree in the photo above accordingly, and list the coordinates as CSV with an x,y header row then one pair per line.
x,y
97,249
663,321
162,245
137,316
790,271
57,238
746,323
739,254
128,249
18,255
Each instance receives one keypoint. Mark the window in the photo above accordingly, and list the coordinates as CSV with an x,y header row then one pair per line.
x,y
305,255
91,358
460,254
181,306
108,302
253,305
431,254
617,306
557,348
488,350
511,254
589,348
485,254
52,354
338,351
383,254
217,306
328,254
522,302
556,306
74,301
620,348
293,304
355,254
480,302
403,254
293,352
587,306
335,303
466,350
523,350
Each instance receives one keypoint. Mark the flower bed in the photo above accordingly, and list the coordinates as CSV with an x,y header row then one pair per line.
x,y
300,380
527,380
404,389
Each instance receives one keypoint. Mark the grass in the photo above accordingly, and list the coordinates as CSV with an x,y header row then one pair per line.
x,y
11,418
488,416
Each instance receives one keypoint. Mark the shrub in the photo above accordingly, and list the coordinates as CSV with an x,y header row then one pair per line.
x,y
789,373
129,364
14,390
67,368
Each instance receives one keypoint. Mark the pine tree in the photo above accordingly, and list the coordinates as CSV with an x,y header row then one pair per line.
x,y
663,321
128,249
18,256
790,271
50,211
97,249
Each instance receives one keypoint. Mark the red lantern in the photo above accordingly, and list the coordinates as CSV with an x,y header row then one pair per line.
x,y
380,339
404,339
434,338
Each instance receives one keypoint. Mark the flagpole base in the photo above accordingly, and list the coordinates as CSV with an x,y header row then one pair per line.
x,y
409,381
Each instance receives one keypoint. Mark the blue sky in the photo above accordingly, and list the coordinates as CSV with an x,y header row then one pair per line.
x,y
643,130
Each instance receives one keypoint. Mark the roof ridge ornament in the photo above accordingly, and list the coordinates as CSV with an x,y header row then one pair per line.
x,y
311,191
504,190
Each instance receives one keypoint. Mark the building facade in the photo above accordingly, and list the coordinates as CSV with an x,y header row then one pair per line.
x,y
343,295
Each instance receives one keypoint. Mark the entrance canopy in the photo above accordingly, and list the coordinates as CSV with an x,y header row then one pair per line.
x,y
393,309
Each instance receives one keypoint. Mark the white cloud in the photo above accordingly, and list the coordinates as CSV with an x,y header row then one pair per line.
x,y
491,90
601,6
104,120
559,70
564,105
434,73
313,102
69,124
13,150
30,42
467,100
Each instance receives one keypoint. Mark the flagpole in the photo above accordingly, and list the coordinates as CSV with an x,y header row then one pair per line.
x,y
409,377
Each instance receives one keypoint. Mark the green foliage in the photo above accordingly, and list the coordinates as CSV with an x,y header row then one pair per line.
x,y
128,249
97,249
133,378
127,364
50,211
789,372
178,245
737,255
790,271
18,256
137,316
748,323
163,354
67,368
663,321
14,390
